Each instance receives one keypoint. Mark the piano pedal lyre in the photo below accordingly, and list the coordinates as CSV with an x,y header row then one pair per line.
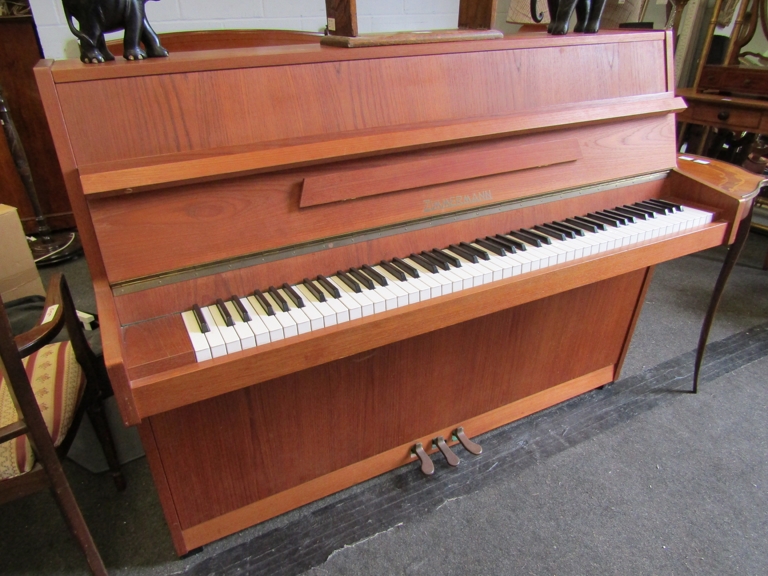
x,y
427,466
469,446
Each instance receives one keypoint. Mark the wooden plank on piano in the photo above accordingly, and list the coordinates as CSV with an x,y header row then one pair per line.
x,y
404,173
341,17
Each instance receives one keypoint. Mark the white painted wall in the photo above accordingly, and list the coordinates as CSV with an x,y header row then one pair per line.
x,y
182,15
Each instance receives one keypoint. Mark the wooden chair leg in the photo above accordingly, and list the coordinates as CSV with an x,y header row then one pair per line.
x,y
64,497
95,412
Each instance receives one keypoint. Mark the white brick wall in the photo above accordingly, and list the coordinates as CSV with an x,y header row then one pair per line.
x,y
180,15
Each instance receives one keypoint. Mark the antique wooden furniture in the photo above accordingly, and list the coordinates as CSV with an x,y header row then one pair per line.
x,y
19,52
729,95
210,174
44,390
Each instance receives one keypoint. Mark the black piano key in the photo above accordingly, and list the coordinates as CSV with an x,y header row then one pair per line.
x,y
491,247
516,243
597,224
676,207
265,304
201,321
354,286
394,270
630,212
625,217
583,225
508,246
450,259
329,286
278,298
424,263
548,231
666,205
652,208
378,278
222,308
543,237
314,290
463,253
604,219
639,208
532,240
405,267
240,309
575,230
361,278
436,260
475,250
607,217
623,220
293,295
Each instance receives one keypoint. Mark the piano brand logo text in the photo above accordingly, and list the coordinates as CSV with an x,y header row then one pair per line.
x,y
454,201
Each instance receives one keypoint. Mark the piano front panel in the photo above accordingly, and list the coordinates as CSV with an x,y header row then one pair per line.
x,y
210,109
294,429
157,231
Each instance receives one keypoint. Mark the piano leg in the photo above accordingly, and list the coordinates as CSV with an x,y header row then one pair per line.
x,y
725,272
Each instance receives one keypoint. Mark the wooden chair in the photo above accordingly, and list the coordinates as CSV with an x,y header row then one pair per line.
x,y
44,390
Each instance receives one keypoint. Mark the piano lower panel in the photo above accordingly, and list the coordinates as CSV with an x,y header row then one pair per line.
x,y
282,443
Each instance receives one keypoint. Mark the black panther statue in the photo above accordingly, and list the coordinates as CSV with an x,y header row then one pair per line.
x,y
588,14
96,17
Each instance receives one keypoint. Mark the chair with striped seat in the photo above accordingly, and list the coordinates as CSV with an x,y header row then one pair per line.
x,y
44,390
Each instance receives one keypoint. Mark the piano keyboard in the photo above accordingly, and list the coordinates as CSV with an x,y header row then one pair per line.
x,y
289,310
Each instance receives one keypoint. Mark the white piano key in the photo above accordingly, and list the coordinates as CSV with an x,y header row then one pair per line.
x,y
410,294
228,333
290,328
196,336
303,323
366,306
244,332
316,321
326,312
215,341
353,307
258,314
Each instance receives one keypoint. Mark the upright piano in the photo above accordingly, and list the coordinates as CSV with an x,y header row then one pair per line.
x,y
314,264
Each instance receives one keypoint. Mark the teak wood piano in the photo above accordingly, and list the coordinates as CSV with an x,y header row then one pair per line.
x,y
209,175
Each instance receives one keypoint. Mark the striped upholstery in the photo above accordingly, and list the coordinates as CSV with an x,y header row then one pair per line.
x,y
57,381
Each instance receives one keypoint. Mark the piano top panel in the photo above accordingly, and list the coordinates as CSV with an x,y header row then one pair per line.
x,y
305,92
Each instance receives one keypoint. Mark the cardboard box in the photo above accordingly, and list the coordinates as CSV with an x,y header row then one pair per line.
x,y
18,273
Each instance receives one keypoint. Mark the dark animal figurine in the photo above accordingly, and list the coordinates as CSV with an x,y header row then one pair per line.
x,y
588,14
96,17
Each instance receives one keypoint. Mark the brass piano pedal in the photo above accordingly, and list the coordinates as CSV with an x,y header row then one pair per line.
x,y
427,467
469,446
452,459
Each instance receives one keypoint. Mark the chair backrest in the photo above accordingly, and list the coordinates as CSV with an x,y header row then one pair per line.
x,y
220,39
60,312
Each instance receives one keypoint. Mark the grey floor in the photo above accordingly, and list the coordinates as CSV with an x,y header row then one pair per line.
x,y
638,478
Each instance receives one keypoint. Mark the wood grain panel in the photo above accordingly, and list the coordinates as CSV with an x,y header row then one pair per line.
x,y
390,175
289,431
145,234
164,114
349,476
